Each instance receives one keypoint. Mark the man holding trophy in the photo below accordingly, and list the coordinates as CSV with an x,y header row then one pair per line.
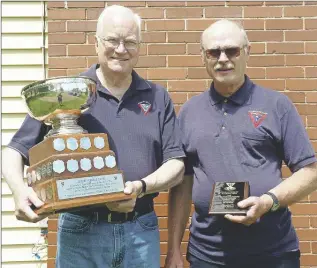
x,y
132,151
236,135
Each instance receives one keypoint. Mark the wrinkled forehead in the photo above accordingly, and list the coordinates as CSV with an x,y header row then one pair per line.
x,y
222,37
119,26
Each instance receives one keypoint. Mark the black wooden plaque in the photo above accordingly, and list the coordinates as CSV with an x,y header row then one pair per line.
x,y
226,195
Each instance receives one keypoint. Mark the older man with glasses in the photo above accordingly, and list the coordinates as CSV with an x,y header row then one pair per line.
x,y
140,121
238,131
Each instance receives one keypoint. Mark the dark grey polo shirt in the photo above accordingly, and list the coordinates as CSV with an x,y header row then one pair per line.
x,y
142,128
241,138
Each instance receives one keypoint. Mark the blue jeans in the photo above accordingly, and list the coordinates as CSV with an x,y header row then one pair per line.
x,y
288,260
86,242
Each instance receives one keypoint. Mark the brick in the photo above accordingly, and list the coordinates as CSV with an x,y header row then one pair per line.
x,y
66,14
76,71
265,36
184,61
150,13
301,84
143,49
184,37
81,50
309,3
285,72
94,13
263,12
267,60
66,38
52,238
311,47
193,49
310,24
311,97
312,120
81,26
254,73
62,62
313,222
223,12
196,25
56,26
305,109
188,85
245,3
257,24
167,73
313,197
305,247
205,3
166,3
283,3
165,25
314,247
58,72
257,48
92,60
270,83
300,221
51,251
142,72
51,4
56,50
175,13
304,209
151,61
296,97
166,49
301,60
51,263
284,24
52,225
127,3
285,48
307,259
311,71
178,98
153,37
85,4
198,73
308,35
305,11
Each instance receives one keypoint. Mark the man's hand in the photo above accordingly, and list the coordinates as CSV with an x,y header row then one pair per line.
x,y
132,188
257,207
23,200
174,260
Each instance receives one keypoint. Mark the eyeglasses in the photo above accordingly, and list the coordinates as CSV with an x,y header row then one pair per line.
x,y
230,52
114,43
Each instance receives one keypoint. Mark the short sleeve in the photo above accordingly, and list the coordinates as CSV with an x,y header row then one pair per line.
x,y
297,148
30,133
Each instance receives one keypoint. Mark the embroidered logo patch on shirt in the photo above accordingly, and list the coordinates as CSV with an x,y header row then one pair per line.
x,y
145,106
257,117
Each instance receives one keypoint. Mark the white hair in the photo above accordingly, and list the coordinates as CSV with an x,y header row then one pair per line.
x,y
227,22
116,9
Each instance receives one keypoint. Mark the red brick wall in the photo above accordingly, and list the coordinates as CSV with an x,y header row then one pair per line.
x,y
284,57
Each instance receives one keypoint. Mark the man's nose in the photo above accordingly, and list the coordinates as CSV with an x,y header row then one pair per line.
x,y
121,48
223,57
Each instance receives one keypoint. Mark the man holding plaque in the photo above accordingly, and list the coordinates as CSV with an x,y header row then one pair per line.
x,y
237,134
139,119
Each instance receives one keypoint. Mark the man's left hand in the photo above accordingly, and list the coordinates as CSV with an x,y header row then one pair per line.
x,y
132,188
257,207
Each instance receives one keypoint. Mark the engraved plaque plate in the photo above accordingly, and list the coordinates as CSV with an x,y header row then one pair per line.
x,y
99,142
59,144
110,161
33,175
72,144
85,143
226,195
85,164
98,162
88,186
72,165
58,166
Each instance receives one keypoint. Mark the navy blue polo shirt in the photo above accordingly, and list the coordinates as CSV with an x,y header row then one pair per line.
x,y
241,138
142,128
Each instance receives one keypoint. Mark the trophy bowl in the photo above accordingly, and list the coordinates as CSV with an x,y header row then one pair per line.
x,y
59,101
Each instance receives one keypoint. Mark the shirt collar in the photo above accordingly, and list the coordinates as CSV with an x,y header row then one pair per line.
x,y
138,82
239,97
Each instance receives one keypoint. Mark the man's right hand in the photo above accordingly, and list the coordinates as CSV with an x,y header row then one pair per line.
x,y
174,260
23,200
